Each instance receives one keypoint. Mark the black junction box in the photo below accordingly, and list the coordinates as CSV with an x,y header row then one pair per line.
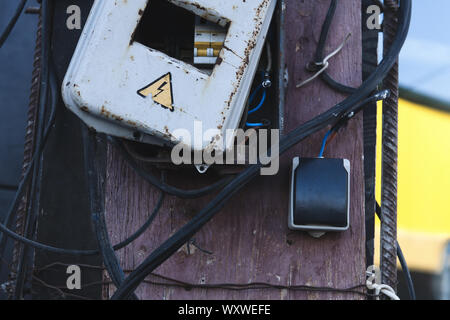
x,y
320,195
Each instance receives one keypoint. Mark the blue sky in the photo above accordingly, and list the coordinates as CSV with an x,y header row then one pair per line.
x,y
425,60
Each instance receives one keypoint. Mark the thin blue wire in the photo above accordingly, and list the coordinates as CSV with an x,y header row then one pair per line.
x,y
324,144
249,124
263,99
253,95
261,103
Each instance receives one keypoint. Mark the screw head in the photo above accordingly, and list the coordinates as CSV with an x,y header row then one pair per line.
x,y
267,83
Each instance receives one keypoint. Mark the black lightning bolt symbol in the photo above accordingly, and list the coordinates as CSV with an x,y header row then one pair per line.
x,y
161,90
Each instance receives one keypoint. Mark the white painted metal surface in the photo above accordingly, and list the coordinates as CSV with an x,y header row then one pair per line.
x,y
118,86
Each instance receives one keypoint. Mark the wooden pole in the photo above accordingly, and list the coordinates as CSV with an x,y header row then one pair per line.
x,y
249,240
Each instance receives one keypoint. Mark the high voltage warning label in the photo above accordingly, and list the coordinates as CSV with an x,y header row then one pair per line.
x,y
160,91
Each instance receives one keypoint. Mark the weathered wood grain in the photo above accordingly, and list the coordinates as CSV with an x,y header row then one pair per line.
x,y
249,239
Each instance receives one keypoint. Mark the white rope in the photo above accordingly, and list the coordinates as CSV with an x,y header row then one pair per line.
x,y
382,288
325,64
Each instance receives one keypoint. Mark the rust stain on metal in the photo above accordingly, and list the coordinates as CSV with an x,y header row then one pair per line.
x,y
117,118
248,50
106,113
194,4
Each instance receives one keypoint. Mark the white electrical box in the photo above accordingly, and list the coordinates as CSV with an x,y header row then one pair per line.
x,y
122,87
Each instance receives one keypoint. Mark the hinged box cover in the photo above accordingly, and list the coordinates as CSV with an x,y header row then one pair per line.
x,y
119,86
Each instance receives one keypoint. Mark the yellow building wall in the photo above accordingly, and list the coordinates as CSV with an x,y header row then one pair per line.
x,y
424,184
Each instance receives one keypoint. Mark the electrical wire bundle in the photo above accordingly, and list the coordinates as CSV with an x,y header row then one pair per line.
x,y
263,87
331,134
334,117
258,107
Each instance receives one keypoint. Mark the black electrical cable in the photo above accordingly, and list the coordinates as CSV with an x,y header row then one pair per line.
x,y
4,36
11,234
321,47
39,149
157,257
184,194
169,247
403,263
145,226
48,75
121,245
95,183
382,95
25,253
370,40
406,272
325,31
167,281
320,51
109,257
400,255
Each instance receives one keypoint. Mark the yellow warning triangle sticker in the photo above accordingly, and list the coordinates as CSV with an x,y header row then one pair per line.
x,y
160,91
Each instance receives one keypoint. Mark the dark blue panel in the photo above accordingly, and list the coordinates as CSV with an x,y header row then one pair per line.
x,y
16,61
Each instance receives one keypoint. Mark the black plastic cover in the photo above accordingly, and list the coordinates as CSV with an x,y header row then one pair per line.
x,y
321,193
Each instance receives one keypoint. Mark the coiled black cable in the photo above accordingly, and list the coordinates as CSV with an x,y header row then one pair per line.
x,y
321,47
40,246
145,226
95,183
109,257
184,194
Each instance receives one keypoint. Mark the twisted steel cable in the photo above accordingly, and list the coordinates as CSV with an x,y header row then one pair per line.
x,y
29,147
390,157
